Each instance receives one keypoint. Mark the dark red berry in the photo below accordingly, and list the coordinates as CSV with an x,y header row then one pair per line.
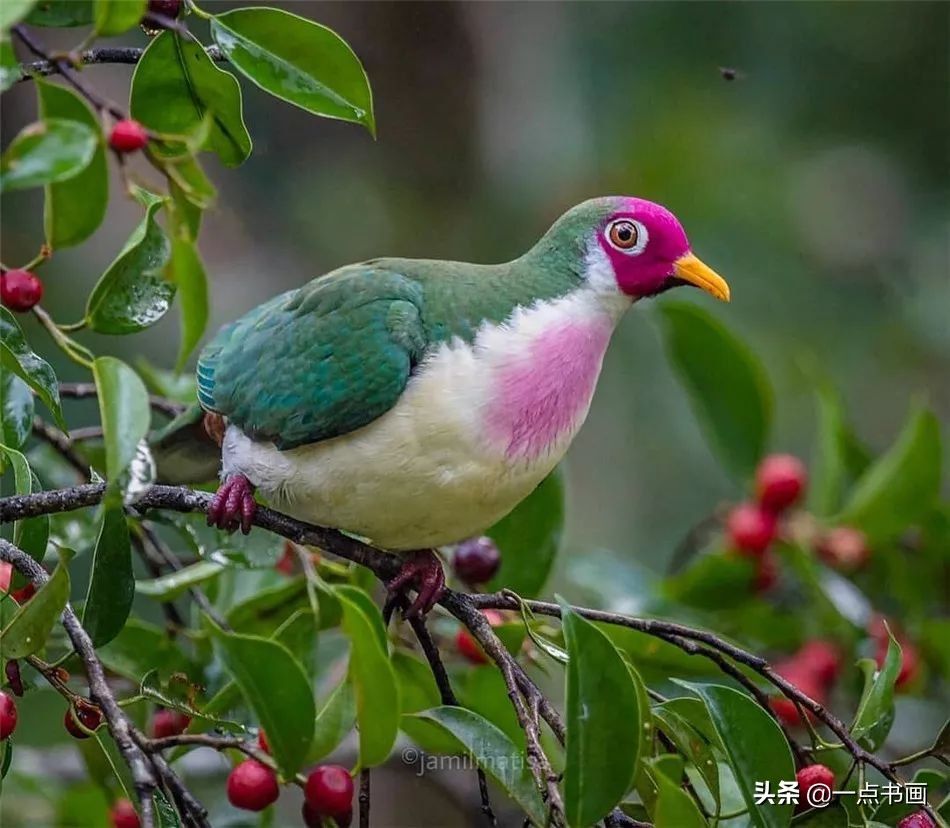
x,y
8,715
844,548
313,820
262,741
23,594
750,528
123,815
166,8
329,791
476,561
90,717
469,647
14,679
810,776
918,819
169,723
252,786
780,481
822,659
128,136
20,290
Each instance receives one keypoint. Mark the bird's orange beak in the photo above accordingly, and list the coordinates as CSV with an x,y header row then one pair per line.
x,y
692,270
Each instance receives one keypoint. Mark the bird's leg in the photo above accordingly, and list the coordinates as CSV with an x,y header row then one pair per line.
x,y
422,570
233,505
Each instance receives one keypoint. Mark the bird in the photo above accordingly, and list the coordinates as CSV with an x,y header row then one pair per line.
x,y
415,402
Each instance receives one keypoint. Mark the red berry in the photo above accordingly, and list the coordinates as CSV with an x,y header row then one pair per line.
x,y
780,481
166,8
20,290
8,715
810,776
252,786
313,820
822,659
766,572
799,675
844,548
128,136
469,647
476,560
751,528
329,791
262,740
90,717
23,594
123,815
918,819
14,679
169,723
287,563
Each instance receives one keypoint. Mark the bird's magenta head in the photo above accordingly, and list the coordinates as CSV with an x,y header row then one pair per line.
x,y
648,250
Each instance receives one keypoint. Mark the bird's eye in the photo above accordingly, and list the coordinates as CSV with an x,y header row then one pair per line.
x,y
627,235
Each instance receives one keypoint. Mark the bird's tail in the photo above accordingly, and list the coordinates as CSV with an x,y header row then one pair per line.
x,y
187,450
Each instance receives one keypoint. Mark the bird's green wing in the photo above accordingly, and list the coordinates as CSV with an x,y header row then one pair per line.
x,y
316,362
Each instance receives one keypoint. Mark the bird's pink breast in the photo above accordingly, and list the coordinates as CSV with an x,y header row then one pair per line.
x,y
540,398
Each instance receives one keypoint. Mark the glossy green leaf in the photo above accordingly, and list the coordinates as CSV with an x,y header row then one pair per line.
x,y
277,690
675,807
727,384
113,17
45,152
111,583
529,539
754,746
297,60
124,411
176,85
839,459
377,693
901,486
418,691
9,66
334,721
189,183
17,357
141,647
16,409
187,271
31,624
483,690
30,535
875,713
602,707
12,11
74,208
689,742
494,753
133,293
174,584
165,814
61,13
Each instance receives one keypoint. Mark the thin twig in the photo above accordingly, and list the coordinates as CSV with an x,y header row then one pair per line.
x,y
62,444
363,798
82,390
94,57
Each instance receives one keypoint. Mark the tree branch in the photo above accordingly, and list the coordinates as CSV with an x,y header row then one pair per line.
x,y
94,57
83,390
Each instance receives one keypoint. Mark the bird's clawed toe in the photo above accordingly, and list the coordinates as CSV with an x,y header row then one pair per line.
x,y
423,571
233,505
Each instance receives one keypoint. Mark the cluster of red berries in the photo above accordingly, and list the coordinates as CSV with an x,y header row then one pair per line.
x,y
328,791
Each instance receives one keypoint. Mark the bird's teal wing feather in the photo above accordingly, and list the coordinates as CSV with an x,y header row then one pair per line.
x,y
316,362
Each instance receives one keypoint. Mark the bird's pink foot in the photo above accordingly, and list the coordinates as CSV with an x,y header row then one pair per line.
x,y
422,571
233,505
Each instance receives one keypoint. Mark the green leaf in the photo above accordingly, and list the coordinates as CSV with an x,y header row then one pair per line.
x,y
901,486
529,539
187,271
602,707
133,293
688,741
16,409
298,61
165,814
176,86
377,693
171,586
335,719
9,66
726,382
277,690
12,11
31,624
675,807
840,458
74,208
30,535
141,647
111,584
61,13
124,411
754,745
718,580
494,753
113,17
35,371
875,713
45,152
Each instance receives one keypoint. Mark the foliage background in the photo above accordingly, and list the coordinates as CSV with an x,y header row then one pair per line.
x,y
817,183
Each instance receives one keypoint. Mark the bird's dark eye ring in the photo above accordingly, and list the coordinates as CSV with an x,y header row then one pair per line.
x,y
625,235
